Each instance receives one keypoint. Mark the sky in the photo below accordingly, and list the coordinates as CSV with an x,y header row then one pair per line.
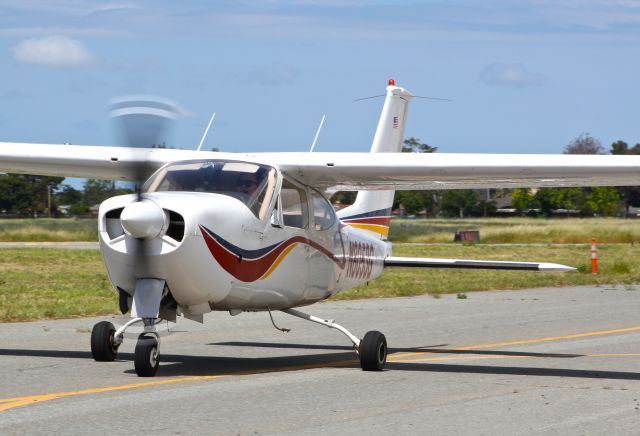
x,y
524,76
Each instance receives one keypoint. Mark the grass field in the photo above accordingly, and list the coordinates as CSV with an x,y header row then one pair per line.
x,y
38,283
519,230
57,283
44,230
492,230
618,264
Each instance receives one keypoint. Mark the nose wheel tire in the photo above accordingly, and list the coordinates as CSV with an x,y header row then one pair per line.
x,y
373,351
102,348
147,356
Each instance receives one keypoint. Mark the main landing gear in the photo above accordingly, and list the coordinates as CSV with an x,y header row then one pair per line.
x,y
105,341
372,349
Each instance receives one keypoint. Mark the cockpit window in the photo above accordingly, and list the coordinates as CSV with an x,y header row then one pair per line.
x,y
251,183
323,213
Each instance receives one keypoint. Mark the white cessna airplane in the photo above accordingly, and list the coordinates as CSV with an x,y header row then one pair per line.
x,y
254,232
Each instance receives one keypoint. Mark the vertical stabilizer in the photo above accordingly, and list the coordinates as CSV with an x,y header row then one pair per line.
x,y
372,209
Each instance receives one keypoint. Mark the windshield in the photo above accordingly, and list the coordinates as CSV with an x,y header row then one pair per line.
x,y
251,183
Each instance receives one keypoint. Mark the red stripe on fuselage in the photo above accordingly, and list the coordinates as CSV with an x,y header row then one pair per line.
x,y
248,270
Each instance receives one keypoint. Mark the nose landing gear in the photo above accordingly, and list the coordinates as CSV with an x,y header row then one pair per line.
x,y
105,341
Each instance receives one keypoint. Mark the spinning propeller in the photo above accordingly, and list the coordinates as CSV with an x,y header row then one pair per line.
x,y
142,122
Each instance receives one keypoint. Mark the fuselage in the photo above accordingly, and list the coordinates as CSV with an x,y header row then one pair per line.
x,y
218,250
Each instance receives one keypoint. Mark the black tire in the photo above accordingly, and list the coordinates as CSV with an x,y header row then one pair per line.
x,y
373,351
102,348
147,356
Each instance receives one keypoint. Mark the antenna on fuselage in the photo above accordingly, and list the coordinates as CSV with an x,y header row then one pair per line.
x,y
206,131
317,134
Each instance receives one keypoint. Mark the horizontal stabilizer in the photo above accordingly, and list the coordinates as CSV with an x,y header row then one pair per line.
x,y
425,262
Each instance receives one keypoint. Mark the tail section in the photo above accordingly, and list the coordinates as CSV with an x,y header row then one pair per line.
x,y
372,209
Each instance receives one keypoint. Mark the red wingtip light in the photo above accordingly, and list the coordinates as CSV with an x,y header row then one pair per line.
x,y
392,82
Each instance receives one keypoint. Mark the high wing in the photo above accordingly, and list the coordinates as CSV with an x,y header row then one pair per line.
x,y
341,171
425,262
114,163
423,171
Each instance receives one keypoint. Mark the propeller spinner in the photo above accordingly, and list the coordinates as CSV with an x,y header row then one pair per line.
x,y
143,219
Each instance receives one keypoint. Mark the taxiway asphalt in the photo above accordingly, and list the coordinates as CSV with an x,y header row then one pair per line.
x,y
541,361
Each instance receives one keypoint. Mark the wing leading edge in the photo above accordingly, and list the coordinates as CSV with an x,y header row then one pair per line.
x,y
88,161
341,171
425,262
410,171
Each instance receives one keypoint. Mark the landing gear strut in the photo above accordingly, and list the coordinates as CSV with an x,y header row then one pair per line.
x,y
105,340
372,349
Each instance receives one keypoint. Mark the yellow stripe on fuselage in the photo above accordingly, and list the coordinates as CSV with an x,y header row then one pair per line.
x,y
375,228
280,258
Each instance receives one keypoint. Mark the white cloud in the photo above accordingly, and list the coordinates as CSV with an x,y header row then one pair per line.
x,y
500,74
111,7
55,51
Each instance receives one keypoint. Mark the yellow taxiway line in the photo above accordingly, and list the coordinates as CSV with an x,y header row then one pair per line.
x,y
529,341
10,403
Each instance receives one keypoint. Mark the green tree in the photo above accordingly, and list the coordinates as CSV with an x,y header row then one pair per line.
x,y
459,202
96,191
570,198
547,200
413,145
522,200
25,193
411,201
587,200
629,195
15,196
602,200
68,195
414,201
619,147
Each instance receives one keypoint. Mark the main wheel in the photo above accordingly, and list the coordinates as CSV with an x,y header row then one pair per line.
x,y
102,348
373,351
147,356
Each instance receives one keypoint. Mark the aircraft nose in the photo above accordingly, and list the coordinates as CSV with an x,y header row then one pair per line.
x,y
143,219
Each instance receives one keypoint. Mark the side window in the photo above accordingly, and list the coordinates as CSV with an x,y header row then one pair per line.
x,y
294,206
323,214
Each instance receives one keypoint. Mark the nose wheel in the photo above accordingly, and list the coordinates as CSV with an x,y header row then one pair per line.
x,y
105,340
147,355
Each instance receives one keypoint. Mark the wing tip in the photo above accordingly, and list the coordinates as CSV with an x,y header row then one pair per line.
x,y
555,267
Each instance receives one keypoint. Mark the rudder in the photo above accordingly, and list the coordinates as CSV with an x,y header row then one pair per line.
x,y
372,209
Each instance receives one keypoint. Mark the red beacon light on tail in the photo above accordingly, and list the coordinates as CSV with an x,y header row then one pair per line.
x,y
392,82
